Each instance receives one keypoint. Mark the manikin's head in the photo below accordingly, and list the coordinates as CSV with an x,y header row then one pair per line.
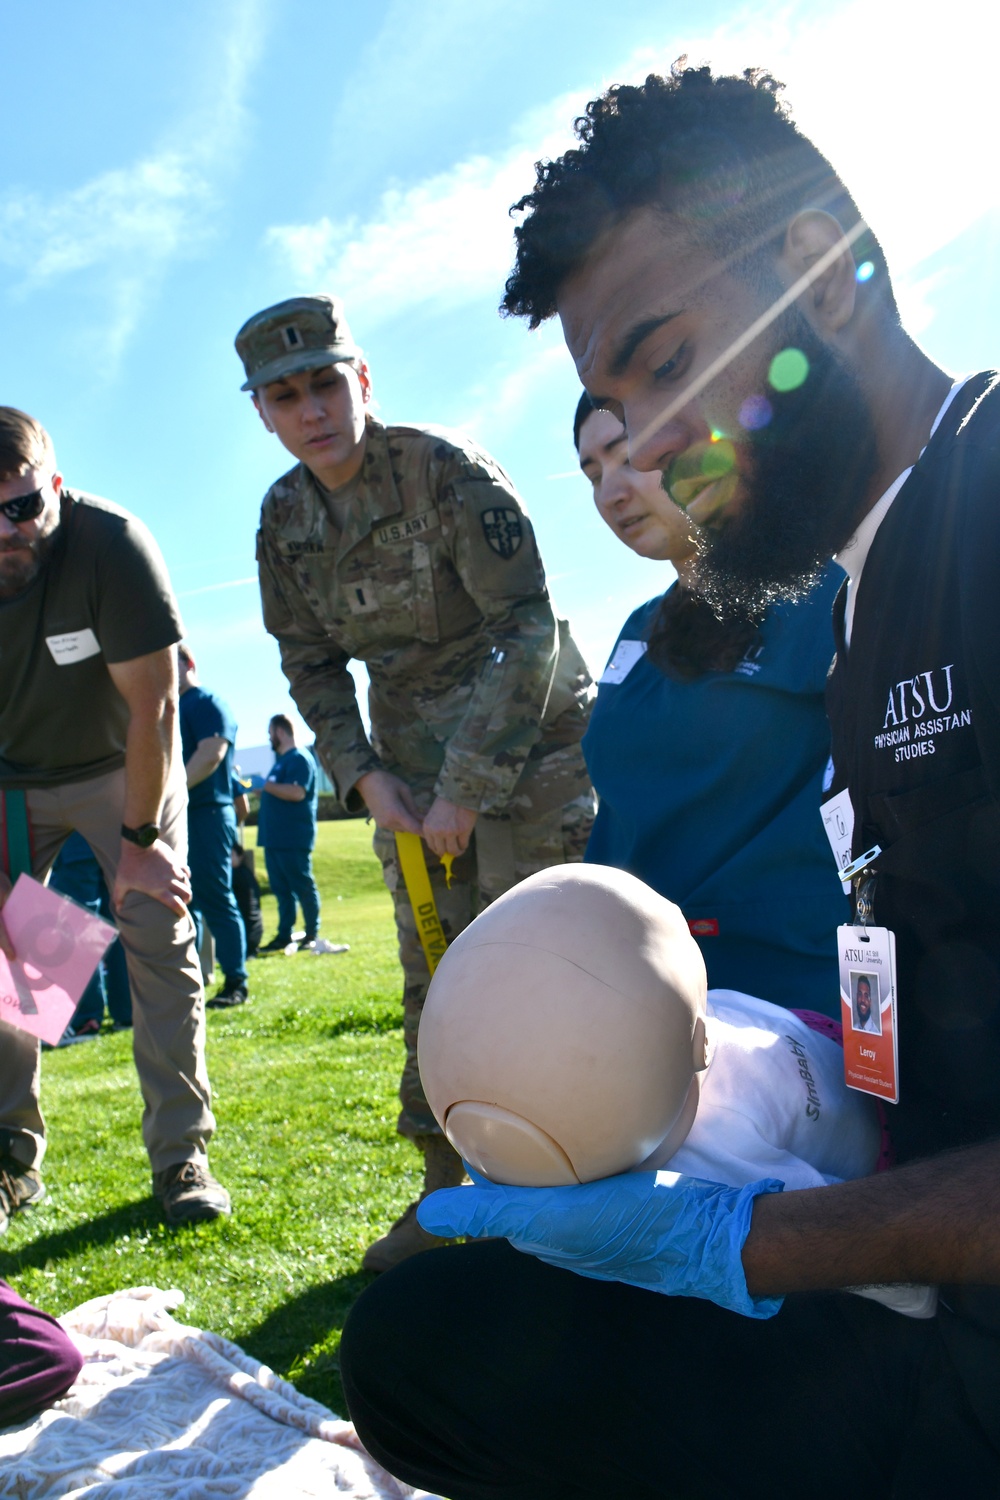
x,y
721,295
563,1038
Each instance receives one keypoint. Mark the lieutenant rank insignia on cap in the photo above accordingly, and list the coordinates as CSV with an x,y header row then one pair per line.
x,y
502,527
301,333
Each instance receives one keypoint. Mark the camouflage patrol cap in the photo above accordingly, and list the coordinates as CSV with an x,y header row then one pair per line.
x,y
300,334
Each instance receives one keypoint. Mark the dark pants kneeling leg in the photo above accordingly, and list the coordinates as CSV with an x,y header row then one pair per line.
x,y
38,1361
480,1373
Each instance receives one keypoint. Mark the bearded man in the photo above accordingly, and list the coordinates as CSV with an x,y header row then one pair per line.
x,y
721,294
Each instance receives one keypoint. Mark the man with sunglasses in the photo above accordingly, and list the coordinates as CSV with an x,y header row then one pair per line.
x,y
88,703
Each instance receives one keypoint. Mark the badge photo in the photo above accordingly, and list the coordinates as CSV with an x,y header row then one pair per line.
x,y
867,962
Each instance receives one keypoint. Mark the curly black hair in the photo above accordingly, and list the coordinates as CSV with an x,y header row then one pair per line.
x,y
721,153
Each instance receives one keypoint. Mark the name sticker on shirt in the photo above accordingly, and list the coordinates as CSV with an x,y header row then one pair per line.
x,y
838,823
867,962
623,659
402,531
75,645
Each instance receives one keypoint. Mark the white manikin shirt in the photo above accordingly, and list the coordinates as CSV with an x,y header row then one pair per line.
x,y
774,1104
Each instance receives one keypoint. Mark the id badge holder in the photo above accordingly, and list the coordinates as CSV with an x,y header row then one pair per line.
x,y
867,962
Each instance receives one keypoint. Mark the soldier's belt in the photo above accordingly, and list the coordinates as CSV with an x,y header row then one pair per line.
x,y
418,887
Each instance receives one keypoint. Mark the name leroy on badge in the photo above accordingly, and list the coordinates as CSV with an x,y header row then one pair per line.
x,y
867,963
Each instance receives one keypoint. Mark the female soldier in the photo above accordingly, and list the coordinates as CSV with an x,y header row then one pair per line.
x,y
408,548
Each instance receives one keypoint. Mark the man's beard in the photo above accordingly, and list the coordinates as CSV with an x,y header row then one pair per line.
x,y
805,485
20,565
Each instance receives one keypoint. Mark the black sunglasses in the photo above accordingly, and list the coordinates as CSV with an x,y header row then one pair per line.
x,y
24,508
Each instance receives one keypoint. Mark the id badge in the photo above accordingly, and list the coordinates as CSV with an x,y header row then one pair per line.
x,y
867,960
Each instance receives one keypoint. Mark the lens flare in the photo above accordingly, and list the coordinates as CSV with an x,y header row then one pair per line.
x,y
698,467
865,271
755,413
788,371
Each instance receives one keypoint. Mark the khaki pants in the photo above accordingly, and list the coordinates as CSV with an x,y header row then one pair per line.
x,y
547,822
168,1002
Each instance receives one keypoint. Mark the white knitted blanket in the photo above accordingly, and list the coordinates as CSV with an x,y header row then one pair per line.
x,y
166,1412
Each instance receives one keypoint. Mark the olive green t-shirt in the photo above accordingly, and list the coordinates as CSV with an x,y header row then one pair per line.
x,y
103,595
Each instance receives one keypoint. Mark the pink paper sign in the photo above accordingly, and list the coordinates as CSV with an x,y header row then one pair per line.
x,y
58,946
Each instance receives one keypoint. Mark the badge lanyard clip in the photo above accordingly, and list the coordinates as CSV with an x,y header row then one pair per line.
x,y
863,876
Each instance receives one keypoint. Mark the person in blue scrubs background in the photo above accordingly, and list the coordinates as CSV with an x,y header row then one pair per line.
x,y
286,830
708,746
77,874
208,736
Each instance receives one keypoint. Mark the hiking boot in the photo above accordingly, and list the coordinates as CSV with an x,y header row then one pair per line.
x,y
234,993
443,1167
20,1187
188,1192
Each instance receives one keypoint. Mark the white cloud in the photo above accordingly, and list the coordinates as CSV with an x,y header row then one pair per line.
x,y
125,226
504,401
445,241
871,84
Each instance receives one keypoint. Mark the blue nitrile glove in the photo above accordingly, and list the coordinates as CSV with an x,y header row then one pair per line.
x,y
657,1230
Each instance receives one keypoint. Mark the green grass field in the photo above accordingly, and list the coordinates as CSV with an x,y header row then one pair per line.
x,y
304,1081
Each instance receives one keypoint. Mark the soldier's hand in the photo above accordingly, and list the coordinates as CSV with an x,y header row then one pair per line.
x,y
6,946
389,801
155,871
447,827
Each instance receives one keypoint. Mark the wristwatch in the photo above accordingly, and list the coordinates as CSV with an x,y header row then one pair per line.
x,y
144,836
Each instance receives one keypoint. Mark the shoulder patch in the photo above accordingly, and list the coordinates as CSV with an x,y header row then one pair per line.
x,y
502,529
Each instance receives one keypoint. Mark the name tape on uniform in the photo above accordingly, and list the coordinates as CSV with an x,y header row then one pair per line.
x,y
402,531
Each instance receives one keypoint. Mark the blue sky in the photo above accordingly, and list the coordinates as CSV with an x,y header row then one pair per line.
x,y
167,171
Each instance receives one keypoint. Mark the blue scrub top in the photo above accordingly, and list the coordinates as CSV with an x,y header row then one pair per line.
x,y
289,825
710,791
203,715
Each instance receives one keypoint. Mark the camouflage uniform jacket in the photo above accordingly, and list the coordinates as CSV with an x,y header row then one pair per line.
x,y
436,584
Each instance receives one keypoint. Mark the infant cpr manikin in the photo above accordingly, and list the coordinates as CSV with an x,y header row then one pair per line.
x,y
563,1037
567,1036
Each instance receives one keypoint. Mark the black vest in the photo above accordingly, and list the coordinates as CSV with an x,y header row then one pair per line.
x,y
915,711
914,706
